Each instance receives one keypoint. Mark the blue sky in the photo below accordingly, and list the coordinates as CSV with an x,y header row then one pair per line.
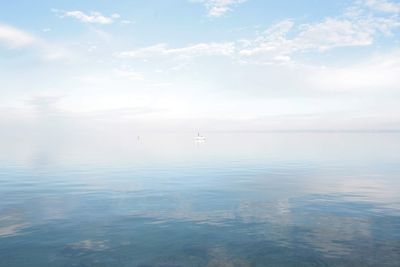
x,y
214,64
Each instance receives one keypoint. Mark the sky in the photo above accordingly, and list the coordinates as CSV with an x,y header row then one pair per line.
x,y
214,65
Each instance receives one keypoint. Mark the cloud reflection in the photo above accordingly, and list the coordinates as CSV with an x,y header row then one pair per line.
x,y
12,224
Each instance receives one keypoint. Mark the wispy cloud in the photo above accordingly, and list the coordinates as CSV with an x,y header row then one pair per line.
x,y
383,5
217,8
15,38
44,104
322,36
379,73
355,27
91,17
126,21
201,49
128,74
126,112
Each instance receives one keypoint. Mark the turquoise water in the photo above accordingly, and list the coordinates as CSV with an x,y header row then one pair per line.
x,y
262,199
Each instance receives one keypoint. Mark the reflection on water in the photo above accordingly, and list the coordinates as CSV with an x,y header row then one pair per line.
x,y
235,200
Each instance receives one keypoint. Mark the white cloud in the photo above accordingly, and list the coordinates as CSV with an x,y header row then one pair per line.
x,y
92,17
128,74
274,45
201,49
333,33
280,42
15,38
378,74
217,8
55,52
270,42
45,104
354,28
374,76
383,6
125,21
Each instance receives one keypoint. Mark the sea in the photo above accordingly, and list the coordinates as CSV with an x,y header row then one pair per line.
x,y
234,200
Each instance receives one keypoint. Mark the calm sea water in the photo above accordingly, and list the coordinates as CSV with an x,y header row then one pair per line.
x,y
262,199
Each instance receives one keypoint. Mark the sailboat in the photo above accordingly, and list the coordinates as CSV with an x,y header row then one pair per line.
x,y
199,138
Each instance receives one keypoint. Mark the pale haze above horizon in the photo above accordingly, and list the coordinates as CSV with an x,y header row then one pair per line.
x,y
214,65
